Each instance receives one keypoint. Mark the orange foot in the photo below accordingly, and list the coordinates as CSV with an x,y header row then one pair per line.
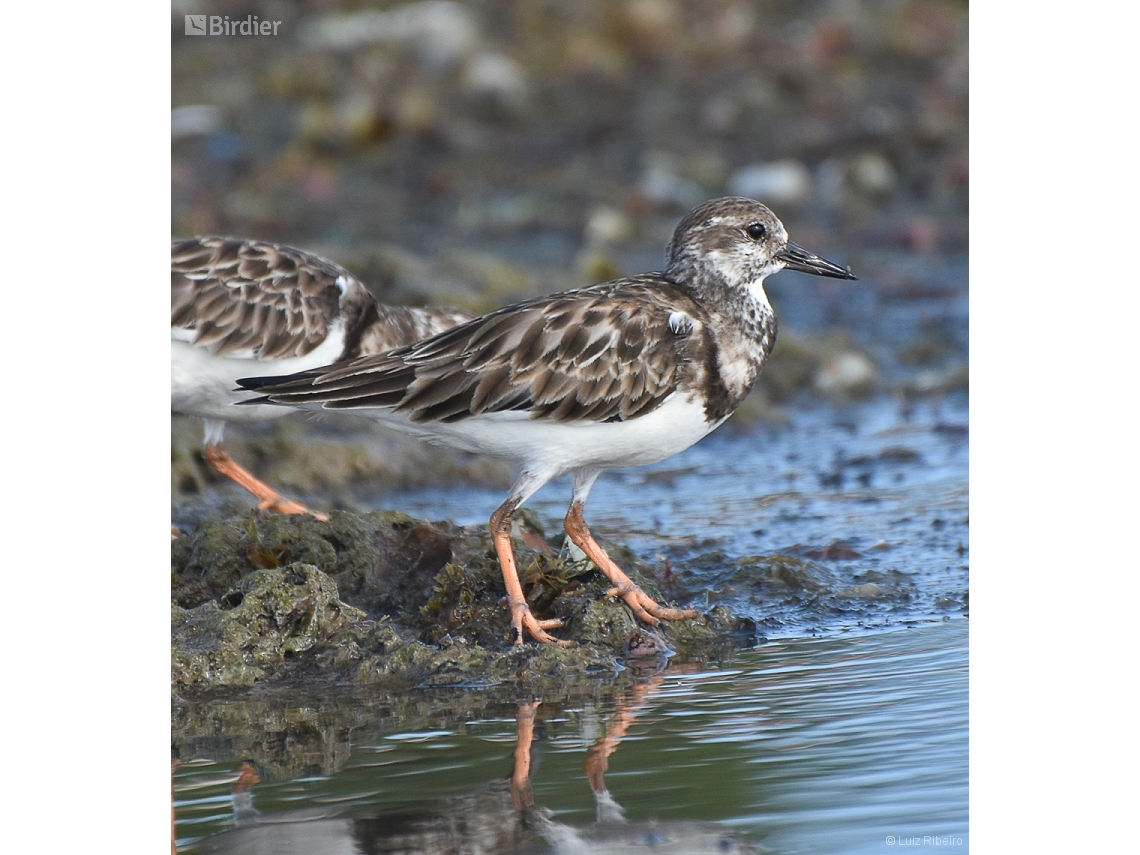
x,y
522,618
268,498
281,505
644,607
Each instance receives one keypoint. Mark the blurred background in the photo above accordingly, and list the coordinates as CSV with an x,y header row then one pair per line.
x,y
476,153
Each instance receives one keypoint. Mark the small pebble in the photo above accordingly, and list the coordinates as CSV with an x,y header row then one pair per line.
x,y
783,182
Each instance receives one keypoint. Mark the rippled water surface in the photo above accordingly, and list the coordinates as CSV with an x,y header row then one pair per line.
x,y
853,743
845,730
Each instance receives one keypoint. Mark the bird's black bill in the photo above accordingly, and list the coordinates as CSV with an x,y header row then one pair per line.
x,y
797,258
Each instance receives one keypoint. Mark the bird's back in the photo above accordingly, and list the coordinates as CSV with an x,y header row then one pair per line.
x,y
260,300
240,307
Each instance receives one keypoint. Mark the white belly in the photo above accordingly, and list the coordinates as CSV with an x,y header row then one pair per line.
x,y
202,384
553,448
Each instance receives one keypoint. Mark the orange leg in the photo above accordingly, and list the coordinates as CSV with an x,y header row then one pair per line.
x,y
644,606
268,498
522,796
598,756
521,616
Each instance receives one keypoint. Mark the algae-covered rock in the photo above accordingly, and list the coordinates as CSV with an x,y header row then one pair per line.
x,y
784,574
531,668
394,603
270,619
875,585
383,562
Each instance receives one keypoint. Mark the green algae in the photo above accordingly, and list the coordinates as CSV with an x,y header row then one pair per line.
x,y
391,602
265,622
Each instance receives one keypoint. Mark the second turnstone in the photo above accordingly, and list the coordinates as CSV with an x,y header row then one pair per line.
x,y
619,374
241,306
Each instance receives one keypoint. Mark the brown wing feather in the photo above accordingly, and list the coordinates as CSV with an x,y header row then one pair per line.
x,y
240,295
604,353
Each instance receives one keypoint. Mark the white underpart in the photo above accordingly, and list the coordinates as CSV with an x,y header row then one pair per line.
x,y
546,449
735,373
202,384
757,292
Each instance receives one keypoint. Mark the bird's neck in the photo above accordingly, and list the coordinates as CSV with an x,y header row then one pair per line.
x,y
740,308
743,326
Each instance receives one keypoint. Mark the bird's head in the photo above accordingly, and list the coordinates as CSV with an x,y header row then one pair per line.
x,y
739,241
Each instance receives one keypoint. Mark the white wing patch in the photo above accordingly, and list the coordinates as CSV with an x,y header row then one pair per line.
x,y
680,323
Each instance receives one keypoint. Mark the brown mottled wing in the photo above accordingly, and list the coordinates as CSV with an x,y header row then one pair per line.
x,y
245,297
604,353
389,327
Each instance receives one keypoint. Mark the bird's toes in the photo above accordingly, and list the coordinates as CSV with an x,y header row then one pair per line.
x,y
540,635
287,506
524,623
667,613
633,599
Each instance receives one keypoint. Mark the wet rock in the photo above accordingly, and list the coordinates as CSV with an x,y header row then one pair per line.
x,y
848,373
872,173
290,624
606,225
644,645
876,585
783,182
384,561
498,77
790,368
651,25
610,623
396,602
260,627
831,367
439,31
866,591
833,552
936,382
194,120
781,574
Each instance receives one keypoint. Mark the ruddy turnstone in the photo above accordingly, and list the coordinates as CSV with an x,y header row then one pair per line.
x,y
238,306
619,374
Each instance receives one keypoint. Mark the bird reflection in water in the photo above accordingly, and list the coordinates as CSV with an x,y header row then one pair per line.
x,y
497,818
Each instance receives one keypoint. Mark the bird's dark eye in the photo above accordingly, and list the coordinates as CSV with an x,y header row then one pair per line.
x,y
756,231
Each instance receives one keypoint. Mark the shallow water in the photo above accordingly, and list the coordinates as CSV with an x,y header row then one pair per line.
x,y
846,744
845,731
875,496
